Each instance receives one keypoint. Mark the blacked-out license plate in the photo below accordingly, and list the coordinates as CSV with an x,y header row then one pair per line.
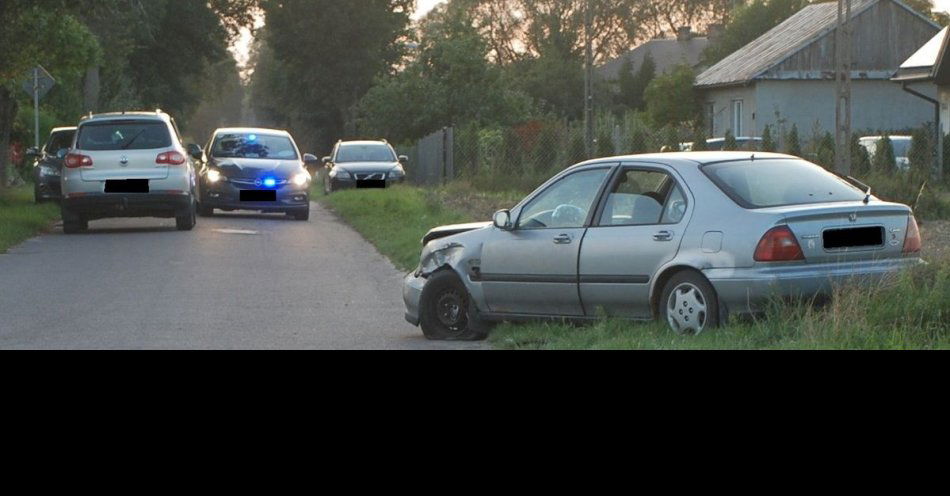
x,y
127,186
371,184
258,195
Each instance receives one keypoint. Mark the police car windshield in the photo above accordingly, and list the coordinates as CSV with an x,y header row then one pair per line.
x,y
251,145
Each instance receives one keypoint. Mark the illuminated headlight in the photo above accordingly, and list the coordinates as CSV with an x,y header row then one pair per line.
x,y
302,179
339,174
397,173
214,176
48,171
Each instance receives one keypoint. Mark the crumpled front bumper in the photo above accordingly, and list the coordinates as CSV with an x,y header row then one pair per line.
x,y
412,296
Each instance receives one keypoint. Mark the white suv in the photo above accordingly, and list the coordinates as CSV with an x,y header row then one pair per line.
x,y
129,164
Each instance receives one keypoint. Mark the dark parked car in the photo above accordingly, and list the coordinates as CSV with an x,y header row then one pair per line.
x,y
254,169
363,164
48,167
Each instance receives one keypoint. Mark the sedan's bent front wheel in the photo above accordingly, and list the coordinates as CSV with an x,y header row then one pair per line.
x,y
689,304
447,311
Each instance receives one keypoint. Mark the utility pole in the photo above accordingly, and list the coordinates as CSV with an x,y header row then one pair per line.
x,y
843,54
588,80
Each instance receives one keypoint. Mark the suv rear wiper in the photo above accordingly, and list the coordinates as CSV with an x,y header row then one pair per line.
x,y
129,143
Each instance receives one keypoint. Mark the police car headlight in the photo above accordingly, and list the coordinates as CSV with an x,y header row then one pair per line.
x,y
301,179
48,171
338,173
214,176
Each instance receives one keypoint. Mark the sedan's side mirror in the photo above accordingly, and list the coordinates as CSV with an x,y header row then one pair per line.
x,y
195,152
32,152
310,159
403,159
502,220
327,160
61,154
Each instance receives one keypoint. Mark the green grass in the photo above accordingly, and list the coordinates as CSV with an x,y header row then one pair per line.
x,y
20,218
394,219
910,312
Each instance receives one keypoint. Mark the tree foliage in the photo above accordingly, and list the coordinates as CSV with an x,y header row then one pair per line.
x,y
671,98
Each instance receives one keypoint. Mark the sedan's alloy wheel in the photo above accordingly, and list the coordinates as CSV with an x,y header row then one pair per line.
x,y
450,309
686,310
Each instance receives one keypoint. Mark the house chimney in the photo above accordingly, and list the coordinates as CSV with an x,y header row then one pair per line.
x,y
684,33
714,32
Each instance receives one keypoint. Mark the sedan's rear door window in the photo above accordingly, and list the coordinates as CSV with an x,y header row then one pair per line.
x,y
641,197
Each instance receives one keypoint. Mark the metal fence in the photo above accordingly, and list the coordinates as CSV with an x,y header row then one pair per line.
x,y
431,159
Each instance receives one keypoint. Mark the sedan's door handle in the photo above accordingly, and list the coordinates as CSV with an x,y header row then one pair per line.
x,y
663,236
563,239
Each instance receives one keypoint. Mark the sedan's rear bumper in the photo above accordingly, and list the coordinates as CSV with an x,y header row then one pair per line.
x,y
745,290
103,206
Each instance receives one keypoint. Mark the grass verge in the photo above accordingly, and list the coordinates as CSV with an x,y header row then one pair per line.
x,y
20,218
393,219
912,311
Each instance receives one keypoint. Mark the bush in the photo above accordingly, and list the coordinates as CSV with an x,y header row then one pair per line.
x,y
793,144
768,142
883,160
730,143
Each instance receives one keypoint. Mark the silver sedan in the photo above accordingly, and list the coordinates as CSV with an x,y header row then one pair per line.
x,y
685,237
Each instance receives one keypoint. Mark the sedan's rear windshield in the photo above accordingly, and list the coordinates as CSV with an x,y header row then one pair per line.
x,y
124,135
364,153
774,183
252,145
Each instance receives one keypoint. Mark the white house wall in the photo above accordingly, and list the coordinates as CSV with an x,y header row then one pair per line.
x,y
876,105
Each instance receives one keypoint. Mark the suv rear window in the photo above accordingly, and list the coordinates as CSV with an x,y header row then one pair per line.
x,y
779,182
123,135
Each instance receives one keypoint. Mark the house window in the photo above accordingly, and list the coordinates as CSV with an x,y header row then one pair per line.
x,y
709,115
737,118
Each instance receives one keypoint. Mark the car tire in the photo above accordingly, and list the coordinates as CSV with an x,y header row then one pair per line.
x,y
188,220
302,215
689,304
447,312
73,223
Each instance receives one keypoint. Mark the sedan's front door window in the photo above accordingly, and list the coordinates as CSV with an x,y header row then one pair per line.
x,y
566,204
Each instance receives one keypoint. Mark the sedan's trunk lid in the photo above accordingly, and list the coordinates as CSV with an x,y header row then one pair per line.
x,y
847,231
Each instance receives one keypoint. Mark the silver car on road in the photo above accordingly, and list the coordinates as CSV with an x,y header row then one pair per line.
x,y
685,237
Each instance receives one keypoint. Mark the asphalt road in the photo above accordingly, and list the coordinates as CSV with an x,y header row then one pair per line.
x,y
238,281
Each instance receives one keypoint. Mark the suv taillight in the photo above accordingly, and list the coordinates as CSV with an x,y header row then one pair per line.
x,y
76,160
170,158
912,242
779,245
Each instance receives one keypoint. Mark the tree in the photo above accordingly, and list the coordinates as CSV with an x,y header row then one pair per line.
x,y
730,143
768,142
699,139
825,151
633,86
860,160
921,153
450,82
749,21
37,32
793,144
883,161
671,98
329,53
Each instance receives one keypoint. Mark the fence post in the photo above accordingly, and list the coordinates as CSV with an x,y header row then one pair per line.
x,y
448,154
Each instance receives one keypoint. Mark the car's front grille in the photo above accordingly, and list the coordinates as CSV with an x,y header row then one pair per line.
x,y
253,182
375,176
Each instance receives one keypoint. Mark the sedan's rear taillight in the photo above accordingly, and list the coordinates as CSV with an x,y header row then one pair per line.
x,y
170,158
779,245
76,160
912,242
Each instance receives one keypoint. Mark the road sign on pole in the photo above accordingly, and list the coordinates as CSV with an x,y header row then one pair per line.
x,y
37,84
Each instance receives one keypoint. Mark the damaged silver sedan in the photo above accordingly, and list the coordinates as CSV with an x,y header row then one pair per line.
x,y
685,237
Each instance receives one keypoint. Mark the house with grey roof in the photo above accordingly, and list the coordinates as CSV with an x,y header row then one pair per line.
x,y
929,66
787,76
667,53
